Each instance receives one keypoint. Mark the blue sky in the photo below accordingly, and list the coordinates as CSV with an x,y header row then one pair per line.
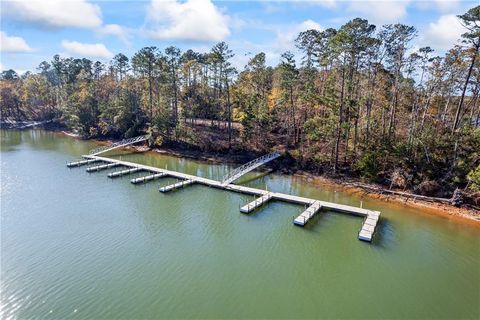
x,y
35,30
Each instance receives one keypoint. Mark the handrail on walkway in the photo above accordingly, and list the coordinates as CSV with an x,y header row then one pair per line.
x,y
247,167
118,144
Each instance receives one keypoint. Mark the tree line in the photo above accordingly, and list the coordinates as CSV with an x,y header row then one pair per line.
x,y
359,101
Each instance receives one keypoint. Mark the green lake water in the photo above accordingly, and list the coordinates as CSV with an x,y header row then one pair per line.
x,y
81,246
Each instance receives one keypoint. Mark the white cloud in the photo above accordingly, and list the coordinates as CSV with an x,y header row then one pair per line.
x,y
380,12
93,50
286,35
245,50
271,7
198,20
18,71
445,6
283,40
443,33
13,44
308,25
327,3
330,4
116,30
55,13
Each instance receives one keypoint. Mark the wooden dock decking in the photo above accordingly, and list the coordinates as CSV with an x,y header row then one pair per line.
x,y
249,207
366,232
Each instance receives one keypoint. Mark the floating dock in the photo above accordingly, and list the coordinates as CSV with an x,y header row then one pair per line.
x,y
302,219
103,167
366,232
256,203
369,225
148,178
177,185
80,163
123,172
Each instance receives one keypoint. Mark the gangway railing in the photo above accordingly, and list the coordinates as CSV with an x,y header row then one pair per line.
x,y
247,167
118,144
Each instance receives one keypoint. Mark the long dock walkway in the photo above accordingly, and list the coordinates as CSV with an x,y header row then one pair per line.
x,y
365,233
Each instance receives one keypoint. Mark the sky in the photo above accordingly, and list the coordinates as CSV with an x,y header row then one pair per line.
x,y
33,31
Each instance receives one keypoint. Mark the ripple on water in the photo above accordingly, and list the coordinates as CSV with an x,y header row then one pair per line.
x,y
78,245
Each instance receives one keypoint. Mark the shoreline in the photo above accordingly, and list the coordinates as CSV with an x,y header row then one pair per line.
x,y
461,214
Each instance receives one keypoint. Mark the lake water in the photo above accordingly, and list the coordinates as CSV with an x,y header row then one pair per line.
x,y
79,245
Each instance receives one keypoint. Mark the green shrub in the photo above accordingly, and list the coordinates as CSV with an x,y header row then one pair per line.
x,y
474,178
368,165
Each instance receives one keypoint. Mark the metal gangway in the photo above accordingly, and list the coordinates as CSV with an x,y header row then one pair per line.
x,y
247,167
118,144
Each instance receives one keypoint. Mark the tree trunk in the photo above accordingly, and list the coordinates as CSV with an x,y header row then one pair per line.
x,y
465,86
150,95
445,109
175,103
340,119
292,108
425,110
229,116
369,104
393,109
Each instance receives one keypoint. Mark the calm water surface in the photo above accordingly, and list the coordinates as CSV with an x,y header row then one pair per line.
x,y
78,245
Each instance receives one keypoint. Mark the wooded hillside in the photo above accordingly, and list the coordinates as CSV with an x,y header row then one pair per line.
x,y
359,101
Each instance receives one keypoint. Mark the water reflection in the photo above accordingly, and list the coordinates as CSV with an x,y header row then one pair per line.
x,y
110,249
